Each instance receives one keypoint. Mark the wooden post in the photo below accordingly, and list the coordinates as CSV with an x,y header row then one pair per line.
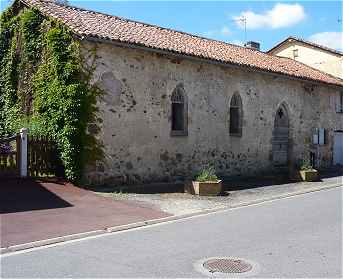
x,y
23,152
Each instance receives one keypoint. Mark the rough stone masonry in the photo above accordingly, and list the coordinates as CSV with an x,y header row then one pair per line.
x,y
134,118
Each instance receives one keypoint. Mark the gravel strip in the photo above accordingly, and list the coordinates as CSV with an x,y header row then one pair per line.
x,y
183,203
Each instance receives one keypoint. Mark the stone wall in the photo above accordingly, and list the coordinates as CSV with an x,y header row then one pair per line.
x,y
135,117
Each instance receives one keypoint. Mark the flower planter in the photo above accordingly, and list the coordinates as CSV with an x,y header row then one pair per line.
x,y
207,188
309,175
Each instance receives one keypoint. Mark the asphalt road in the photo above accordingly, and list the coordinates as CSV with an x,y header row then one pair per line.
x,y
293,237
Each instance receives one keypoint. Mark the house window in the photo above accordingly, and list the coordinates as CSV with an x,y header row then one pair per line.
x,y
179,112
295,53
236,114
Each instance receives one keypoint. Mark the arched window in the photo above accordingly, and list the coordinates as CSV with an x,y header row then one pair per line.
x,y
280,141
236,115
281,117
179,112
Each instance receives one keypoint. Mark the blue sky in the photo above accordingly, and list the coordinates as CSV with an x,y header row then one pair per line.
x,y
268,22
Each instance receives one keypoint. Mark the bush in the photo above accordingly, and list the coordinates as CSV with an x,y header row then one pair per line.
x,y
207,174
305,164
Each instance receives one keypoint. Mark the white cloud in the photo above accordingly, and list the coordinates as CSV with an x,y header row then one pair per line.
x,y
330,39
281,15
224,31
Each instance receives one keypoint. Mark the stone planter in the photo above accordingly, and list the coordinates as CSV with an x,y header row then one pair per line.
x,y
208,188
309,175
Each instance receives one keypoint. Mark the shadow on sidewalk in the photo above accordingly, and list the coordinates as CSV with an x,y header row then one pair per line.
x,y
332,172
229,183
18,195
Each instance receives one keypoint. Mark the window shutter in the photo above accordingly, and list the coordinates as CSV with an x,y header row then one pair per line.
x,y
339,102
321,136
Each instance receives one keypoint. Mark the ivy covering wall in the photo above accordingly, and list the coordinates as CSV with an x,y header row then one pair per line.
x,y
44,86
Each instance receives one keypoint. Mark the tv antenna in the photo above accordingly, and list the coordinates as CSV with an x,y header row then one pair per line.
x,y
243,20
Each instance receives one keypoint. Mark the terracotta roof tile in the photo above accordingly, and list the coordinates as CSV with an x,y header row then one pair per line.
x,y
97,25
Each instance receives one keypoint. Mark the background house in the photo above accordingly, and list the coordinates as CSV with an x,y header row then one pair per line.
x,y
319,57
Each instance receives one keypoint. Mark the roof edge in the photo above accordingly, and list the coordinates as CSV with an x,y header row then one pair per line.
x,y
327,49
143,23
210,61
170,52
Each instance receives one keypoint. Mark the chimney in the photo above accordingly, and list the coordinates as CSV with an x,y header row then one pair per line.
x,y
252,45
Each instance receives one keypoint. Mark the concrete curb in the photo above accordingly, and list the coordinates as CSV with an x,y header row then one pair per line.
x,y
277,197
51,241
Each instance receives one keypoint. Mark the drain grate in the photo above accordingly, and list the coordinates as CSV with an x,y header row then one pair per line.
x,y
227,265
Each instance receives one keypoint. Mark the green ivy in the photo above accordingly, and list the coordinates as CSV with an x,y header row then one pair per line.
x,y
8,69
44,87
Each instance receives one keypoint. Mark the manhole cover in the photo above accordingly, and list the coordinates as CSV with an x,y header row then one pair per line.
x,y
227,265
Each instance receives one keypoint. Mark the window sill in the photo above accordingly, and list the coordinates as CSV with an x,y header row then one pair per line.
x,y
237,135
179,133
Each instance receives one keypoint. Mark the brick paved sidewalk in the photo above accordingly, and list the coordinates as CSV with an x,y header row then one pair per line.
x,y
32,210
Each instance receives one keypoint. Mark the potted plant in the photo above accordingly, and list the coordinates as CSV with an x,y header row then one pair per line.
x,y
307,172
206,183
